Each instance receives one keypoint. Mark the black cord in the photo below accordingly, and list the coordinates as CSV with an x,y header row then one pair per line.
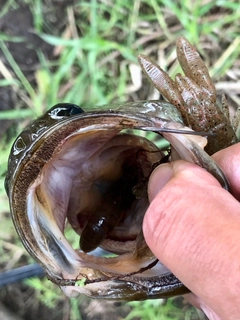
x,y
21,273
32,270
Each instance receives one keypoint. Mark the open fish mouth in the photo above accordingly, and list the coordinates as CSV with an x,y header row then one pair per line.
x,y
85,170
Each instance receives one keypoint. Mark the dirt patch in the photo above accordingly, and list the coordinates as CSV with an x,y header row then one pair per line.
x,y
19,24
24,303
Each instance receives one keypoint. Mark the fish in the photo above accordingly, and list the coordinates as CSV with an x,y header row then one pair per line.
x,y
89,171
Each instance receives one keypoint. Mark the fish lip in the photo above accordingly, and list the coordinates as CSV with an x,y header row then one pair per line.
x,y
27,141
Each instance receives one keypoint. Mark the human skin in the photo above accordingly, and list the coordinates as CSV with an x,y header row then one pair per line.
x,y
193,227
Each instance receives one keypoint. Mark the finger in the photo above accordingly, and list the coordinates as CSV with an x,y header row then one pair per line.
x,y
198,303
229,160
192,226
162,174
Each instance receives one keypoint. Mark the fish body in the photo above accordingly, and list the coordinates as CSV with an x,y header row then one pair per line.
x,y
90,170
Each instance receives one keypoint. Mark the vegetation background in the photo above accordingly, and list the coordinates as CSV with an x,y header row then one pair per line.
x,y
85,52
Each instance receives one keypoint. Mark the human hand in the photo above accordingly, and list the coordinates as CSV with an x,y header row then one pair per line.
x,y
193,227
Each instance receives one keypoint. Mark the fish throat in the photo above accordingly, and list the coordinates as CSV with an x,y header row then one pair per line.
x,y
118,198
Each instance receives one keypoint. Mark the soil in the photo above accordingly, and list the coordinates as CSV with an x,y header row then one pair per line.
x,y
19,22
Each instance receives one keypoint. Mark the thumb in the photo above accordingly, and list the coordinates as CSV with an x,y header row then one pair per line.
x,y
192,226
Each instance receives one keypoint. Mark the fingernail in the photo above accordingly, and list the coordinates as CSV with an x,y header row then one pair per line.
x,y
209,313
159,178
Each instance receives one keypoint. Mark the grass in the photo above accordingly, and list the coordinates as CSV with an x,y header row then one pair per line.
x,y
164,310
93,62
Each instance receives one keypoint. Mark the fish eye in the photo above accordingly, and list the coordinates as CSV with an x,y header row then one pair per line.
x,y
64,110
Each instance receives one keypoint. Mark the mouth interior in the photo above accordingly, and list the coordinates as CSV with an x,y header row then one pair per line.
x,y
108,198
98,183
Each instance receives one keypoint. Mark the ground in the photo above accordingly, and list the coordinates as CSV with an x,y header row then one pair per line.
x,y
39,60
